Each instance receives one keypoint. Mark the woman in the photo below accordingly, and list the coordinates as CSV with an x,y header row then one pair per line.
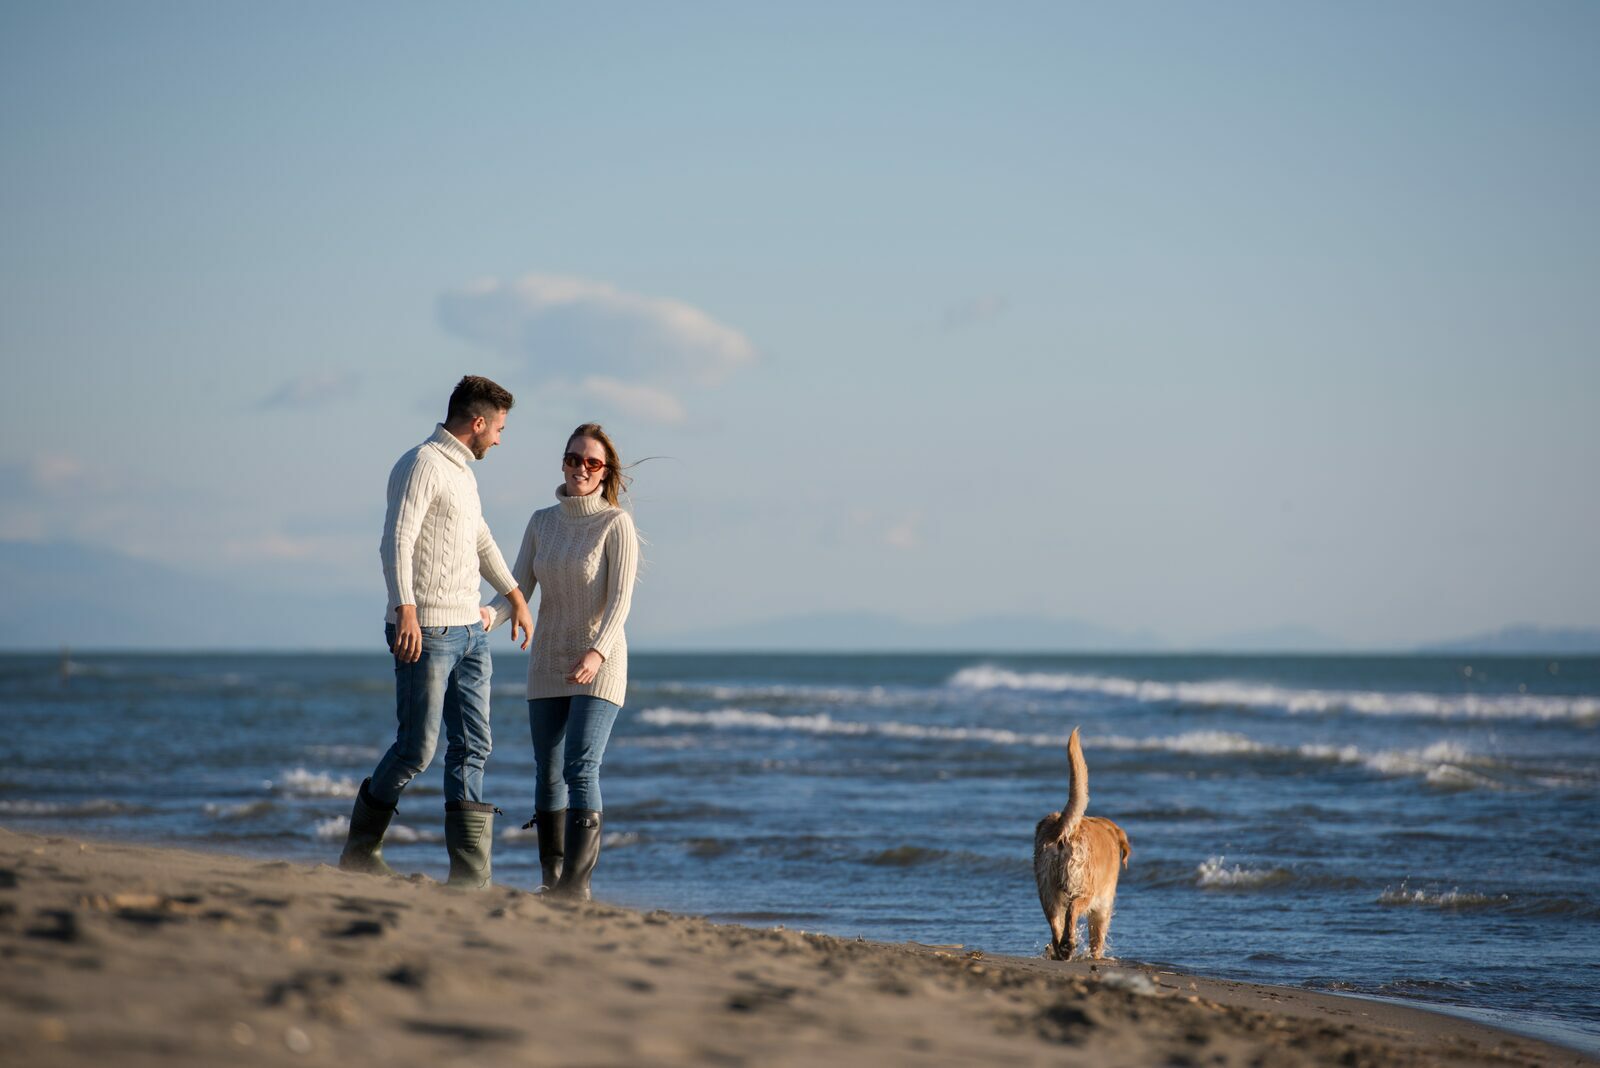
x,y
585,554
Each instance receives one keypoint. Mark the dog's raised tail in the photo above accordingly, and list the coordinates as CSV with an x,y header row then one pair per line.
x,y
1078,791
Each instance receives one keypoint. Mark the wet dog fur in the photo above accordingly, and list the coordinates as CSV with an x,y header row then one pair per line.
x,y
1076,860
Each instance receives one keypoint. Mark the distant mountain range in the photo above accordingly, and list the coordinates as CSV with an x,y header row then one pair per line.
x,y
1525,638
63,594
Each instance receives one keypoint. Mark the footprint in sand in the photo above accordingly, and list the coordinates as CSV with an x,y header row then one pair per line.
x,y
58,925
464,1031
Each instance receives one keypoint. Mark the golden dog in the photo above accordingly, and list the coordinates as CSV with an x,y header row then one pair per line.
x,y
1075,862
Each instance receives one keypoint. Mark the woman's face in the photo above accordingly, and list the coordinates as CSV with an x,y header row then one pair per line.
x,y
580,468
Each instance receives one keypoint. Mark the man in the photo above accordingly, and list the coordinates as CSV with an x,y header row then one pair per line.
x,y
435,547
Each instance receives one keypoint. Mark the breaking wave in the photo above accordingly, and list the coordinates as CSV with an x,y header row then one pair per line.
x,y
1448,900
1443,764
822,723
302,783
1278,698
1214,874
355,754
234,813
335,828
99,807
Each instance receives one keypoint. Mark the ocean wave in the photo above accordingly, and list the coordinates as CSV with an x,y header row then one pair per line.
x,y
1227,694
234,813
98,807
1444,764
515,832
822,723
773,691
1448,900
299,782
906,856
1214,874
360,754
335,828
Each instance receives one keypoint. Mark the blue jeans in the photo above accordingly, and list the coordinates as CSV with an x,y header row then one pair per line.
x,y
449,682
585,724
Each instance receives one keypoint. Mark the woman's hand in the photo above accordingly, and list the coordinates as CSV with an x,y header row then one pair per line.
x,y
485,615
587,667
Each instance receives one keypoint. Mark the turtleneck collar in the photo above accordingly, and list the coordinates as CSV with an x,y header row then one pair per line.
x,y
451,446
589,504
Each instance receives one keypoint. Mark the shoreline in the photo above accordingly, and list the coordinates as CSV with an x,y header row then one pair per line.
x,y
135,954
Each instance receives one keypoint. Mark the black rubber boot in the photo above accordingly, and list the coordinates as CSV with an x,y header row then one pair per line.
x,y
469,837
369,822
583,852
552,828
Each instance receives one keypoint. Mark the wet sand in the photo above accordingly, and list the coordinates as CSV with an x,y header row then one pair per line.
x,y
134,955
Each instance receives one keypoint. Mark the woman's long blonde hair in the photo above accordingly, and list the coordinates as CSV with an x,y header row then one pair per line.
x,y
615,483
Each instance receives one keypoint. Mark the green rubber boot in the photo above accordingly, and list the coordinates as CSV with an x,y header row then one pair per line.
x,y
469,836
363,847
583,853
552,828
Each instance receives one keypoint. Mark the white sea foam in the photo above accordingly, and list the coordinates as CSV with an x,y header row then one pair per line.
x,y
822,723
98,807
364,754
244,811
1443,763
514,832
1213,874
1202,742
1450,899
848,695
334,829
1277,698
299,782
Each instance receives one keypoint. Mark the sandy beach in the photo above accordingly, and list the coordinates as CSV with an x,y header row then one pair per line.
x,y
133,955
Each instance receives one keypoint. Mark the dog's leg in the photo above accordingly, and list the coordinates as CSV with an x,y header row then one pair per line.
x,y
1074,913
1056,914
1099,927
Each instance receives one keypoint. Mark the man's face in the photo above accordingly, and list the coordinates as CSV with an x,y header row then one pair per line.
x,y
486,433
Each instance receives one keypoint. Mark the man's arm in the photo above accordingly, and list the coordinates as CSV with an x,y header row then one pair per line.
x,y
508,582
412,488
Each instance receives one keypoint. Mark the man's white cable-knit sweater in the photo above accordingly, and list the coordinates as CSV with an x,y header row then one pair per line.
x,y
435,543
585,553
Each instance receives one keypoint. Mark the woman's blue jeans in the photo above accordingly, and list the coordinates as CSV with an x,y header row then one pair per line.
x,y
569,774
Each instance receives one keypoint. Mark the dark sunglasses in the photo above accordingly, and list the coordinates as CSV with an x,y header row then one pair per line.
x,y
572,459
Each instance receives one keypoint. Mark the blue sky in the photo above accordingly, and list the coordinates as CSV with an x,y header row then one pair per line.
x,y
1195,318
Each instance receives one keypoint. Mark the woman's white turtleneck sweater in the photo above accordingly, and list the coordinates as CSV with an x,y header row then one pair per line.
x,y
585,553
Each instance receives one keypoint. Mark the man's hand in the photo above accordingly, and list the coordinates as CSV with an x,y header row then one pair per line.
x,y
485,615
407,647
587,667
520,617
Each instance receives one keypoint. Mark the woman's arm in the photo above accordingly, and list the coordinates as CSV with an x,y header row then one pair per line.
x,y
622,567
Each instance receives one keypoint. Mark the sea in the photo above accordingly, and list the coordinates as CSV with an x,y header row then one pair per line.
x,y
1420,828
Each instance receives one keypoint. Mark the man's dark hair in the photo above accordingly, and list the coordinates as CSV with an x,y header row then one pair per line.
x,y
475,395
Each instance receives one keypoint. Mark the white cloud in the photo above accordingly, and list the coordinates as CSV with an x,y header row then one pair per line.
x,y
646,403
276,545
631,351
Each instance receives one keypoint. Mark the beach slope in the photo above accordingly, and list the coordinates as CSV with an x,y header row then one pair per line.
x,y
131,955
